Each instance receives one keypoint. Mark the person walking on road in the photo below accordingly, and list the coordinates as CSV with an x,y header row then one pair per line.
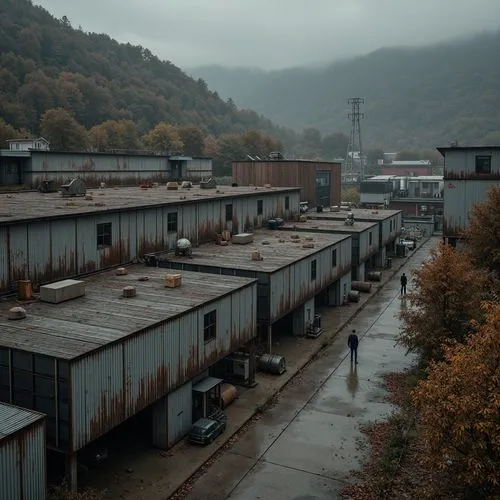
x,y
404,280
352,343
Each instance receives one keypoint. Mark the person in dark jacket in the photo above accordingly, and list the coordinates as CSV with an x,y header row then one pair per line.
x,y
404,280
352,343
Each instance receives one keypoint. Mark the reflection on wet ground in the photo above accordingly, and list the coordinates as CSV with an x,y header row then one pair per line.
x,y
307,444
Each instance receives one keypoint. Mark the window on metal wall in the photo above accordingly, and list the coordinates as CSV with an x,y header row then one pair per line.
x,y
104,235
210,326
334,258
229,212
370,238
313,270
260,207
287,202
172,222
483,164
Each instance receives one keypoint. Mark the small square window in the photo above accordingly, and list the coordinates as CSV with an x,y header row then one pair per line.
x,y
210,326
104,235
313,270
287,202
172,222
229,212
334,258
370,238
483,164
260,207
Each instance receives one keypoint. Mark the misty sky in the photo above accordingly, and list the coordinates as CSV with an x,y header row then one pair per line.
x,y
274,34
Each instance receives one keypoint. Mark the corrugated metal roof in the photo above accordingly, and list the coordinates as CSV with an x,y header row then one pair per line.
x,y
13,419
280,251
334,225
362,214
35,205
206,384
76,327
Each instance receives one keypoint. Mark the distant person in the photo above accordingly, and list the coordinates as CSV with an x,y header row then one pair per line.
x,y
352,343
404,281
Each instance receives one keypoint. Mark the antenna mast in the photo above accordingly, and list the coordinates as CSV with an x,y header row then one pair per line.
x,y
355,145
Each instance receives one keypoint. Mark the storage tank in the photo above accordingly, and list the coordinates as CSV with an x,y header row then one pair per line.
x,y
272,363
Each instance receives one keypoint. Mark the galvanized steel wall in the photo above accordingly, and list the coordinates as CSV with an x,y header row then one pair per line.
x,y
292,285
115,383
198,168
180,413
461,164
388,235
367,249
23,464
96,168
459,198
44,251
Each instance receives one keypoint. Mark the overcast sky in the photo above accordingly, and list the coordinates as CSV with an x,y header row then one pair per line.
x,y
275,33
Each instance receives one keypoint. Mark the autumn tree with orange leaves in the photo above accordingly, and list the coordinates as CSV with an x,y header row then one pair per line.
x,y
459,409
447,295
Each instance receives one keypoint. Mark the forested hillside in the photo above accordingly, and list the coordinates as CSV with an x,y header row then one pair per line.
x,y
414,98
45,63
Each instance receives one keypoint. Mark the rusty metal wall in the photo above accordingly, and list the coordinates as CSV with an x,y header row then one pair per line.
x,y
459,198
292,285
22,459
180,413
96,168
367,250
97,395
48,250
461,164
112,384
288,173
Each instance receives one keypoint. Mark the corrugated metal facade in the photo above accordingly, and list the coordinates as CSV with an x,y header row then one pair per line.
x,y
368,243
116,382
391,228
180,413
22,454
293,285
44,251
96,168
198,168
463,186
289,173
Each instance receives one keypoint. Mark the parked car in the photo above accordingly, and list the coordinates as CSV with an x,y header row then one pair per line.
x,y
205,430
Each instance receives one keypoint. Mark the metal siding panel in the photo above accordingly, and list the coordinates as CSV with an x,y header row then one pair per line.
x,y
4,259
18,252
34,463
97,394
86,238
63,248
186,328
39,257
180,411
146,376
10,470
109,256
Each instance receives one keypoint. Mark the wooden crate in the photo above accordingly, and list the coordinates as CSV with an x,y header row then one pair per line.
x,y
173,280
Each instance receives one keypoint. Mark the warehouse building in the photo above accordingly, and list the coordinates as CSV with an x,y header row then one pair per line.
x,y
30,162
389,223
45,237
319,180
123,344
364,238
292,271
22,452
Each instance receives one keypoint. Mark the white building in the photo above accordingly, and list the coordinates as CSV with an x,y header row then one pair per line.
x,y
39,144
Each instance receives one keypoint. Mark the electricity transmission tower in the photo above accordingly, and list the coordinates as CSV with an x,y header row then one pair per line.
x,y
355,145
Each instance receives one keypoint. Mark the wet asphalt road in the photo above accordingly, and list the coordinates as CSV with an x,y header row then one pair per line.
x,y
305,446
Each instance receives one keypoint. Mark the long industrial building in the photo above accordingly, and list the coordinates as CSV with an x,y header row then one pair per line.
x,y
122,344
389,222
292,270
22,451
364,238
45,237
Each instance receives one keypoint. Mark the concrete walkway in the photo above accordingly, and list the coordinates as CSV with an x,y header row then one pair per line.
x,y
309,436
306,445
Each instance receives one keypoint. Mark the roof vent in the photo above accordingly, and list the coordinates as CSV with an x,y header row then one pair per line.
x,y
129,291
17,313
256,256
173,280
309,244
121,271
172,186
242,239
